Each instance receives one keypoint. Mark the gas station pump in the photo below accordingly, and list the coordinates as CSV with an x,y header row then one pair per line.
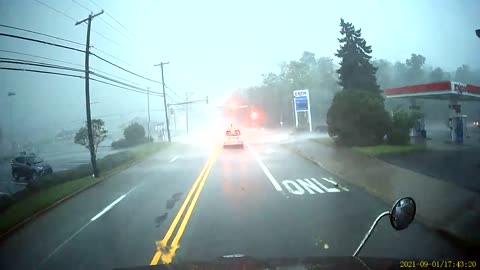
x,y
418,129
457,123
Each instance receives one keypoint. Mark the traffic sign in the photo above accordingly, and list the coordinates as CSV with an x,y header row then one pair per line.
x,y
301,101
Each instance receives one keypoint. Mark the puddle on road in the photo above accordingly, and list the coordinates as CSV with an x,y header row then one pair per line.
x,y
160,219
175,198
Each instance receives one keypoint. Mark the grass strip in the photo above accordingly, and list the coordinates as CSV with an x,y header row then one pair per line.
x,y
22,210
388,149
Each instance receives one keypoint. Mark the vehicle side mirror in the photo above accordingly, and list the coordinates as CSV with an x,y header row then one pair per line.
x,y
403,213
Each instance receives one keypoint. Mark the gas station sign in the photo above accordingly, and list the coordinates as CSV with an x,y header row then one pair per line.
x,y
301,103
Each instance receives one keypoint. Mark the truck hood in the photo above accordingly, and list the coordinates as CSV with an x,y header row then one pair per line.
x,y
241,262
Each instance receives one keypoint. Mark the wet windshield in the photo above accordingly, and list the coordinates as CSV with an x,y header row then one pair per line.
x,y
178,131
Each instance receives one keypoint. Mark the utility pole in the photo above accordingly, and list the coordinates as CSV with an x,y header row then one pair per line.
x,y
12,133
148,109
91,147
165,99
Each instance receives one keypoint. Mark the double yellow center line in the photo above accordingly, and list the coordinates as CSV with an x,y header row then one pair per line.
x,y
165,252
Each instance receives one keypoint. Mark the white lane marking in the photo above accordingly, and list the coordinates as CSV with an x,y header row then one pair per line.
x,y
173,159
270,177
110,206
62,244
83,227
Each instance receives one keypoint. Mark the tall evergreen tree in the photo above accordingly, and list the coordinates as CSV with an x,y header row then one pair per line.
x,y
356,72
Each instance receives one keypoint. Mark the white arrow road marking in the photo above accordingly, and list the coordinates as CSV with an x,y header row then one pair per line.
x,y
270,177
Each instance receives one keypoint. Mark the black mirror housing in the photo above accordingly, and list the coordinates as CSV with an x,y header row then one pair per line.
x,y
402,213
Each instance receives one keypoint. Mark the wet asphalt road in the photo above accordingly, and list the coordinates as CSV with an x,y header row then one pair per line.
x,y
262,201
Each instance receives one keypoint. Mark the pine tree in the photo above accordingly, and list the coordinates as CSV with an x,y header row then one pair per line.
x,y
356,72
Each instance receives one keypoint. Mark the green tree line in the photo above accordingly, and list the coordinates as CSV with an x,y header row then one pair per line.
x,y
321,75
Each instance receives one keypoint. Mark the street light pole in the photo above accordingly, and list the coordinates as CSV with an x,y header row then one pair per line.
x,y
165,100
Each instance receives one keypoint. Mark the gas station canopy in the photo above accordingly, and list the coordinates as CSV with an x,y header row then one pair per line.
x,y
446,90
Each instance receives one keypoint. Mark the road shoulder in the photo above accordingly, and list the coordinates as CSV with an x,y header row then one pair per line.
x,y
441,205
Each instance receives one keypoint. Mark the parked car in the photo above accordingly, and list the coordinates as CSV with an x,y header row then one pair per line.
x,y
30,166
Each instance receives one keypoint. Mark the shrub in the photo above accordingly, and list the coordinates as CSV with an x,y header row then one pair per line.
x,y
357,118
134,133
122,143
402,122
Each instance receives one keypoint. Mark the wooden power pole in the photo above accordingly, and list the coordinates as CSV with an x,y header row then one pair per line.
x,y
91,146
165,100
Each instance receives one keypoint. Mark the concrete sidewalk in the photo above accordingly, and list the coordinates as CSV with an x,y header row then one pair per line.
x,y
440,205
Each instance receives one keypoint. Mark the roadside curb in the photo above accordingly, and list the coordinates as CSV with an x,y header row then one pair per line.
x,y
452,234
43,211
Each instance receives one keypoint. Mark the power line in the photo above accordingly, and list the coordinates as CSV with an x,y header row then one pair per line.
x,y
58,11
70,63
126,88
42,71
114,28
42,34
39,64
171,99
111,75
43,42
116,58
66,62
82,6
78,50
108,14
126,70
73,19
173,92
107,38
42,57
128,85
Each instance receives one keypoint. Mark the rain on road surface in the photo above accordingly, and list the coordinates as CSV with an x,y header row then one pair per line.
x,y
199,202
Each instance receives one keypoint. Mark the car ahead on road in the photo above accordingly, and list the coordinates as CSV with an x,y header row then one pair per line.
x,y
233,138
476,123
30,166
